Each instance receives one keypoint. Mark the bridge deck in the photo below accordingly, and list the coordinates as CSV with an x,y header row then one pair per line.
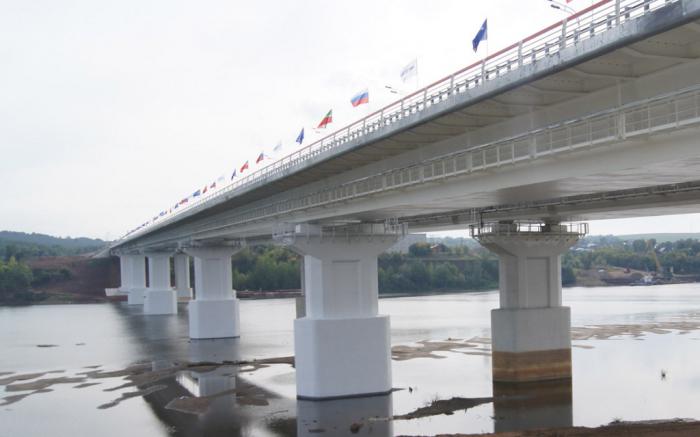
x,y
598,49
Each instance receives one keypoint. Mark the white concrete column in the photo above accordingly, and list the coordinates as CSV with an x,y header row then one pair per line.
x,y
124,274
161,298
342,345
181,263
137,276
300,301
530,332
124,279
214,313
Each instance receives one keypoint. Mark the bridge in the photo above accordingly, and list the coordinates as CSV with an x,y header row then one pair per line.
x,y
596,116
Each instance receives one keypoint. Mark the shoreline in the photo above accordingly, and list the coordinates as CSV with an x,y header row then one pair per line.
x,y
648,428
67,298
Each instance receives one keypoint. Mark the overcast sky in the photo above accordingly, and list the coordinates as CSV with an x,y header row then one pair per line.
x,y
111,111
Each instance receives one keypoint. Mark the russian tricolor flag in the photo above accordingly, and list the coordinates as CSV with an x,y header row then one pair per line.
x,y
360,98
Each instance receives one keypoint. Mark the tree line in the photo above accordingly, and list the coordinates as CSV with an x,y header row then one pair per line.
x,y
682,256
278,268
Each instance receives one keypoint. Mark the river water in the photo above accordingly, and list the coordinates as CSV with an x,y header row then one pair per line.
x,y
108,370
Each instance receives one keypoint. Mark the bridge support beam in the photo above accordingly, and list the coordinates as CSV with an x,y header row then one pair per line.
x,y
181,264
530,332
214,312
161,298
342,345
136,266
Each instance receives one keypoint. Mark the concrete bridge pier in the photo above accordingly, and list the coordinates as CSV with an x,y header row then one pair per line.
x,y
181,264
137,279
342,345
214,312
124,274
530,332
160,298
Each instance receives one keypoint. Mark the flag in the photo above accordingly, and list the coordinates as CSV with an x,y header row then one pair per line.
x,y
204,190
326,120
300,138
261,157
183,201
233,175
409,70
278,147
481,35
213,185
360,98
196,193
245,167
220,179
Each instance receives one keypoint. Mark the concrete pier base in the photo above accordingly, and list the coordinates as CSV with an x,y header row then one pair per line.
x,y
181,265
531,344
215,312
530,332
160,302
214,318
342,357
341,344
136,274
136,296
533,405
160,297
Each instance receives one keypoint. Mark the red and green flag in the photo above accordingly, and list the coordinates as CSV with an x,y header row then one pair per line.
x,y
326,120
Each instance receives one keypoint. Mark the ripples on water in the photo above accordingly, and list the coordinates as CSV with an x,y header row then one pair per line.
x,y
108,370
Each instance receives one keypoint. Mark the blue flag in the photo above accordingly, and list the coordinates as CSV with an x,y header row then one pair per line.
x,y
481,35
300,138
196,193
233,175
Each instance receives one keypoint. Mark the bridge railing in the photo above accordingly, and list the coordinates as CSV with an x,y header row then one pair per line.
x,y
533,228
599,17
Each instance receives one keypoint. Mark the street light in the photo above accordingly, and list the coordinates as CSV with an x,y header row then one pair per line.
x,y
564,8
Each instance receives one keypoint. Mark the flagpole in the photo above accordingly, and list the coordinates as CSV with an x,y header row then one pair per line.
x,y
487,42
417,79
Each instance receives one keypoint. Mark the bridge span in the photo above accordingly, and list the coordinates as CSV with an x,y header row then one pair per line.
x,y
596,116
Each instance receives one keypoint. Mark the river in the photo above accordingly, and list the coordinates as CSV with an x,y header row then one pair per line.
x,y
108,370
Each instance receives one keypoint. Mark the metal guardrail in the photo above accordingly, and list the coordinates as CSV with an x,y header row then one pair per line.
x,y
287,233
527,228
588,22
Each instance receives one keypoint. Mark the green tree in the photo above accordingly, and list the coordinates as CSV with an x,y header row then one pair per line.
x,y
15,280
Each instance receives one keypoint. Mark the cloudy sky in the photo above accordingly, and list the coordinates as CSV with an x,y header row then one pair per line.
x,y
112,111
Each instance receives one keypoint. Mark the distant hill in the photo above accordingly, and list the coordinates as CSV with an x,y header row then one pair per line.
x,y
24,245
660,238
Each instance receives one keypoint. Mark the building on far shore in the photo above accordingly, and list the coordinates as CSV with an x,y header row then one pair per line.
x,y
410,239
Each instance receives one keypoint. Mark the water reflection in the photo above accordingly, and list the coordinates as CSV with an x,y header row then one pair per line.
x,y
209,398
346,417
623,339
544,404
